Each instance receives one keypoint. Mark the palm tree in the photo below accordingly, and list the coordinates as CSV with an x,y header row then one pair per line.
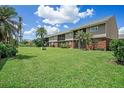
x,y
20,28
41,33
8,24
79,37
85,38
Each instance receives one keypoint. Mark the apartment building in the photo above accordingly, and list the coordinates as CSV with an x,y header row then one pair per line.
x,y
102,31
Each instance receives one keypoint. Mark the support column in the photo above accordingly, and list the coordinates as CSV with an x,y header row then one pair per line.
x,y
73,44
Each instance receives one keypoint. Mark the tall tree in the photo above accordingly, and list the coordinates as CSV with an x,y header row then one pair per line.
x,y
41,33
20,28
8,23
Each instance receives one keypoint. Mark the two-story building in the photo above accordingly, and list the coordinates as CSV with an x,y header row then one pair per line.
x,y
102,32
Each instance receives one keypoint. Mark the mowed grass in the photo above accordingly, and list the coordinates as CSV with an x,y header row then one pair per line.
x,y
63,68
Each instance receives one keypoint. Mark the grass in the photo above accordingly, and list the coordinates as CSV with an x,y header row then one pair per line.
x,y
58,67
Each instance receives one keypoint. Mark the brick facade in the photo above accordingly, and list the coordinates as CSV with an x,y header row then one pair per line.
x,y
71,44
101,43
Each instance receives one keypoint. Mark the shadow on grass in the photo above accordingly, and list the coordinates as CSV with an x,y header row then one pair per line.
x,y
3,62
120,63
19,56
115,62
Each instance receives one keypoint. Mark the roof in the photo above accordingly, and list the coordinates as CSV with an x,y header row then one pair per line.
x,y
101,21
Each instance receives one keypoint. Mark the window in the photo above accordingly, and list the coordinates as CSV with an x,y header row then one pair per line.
x,y
69,35
61,37
94,29
75,33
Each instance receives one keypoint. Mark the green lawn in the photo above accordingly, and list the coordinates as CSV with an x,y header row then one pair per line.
x,y
58,67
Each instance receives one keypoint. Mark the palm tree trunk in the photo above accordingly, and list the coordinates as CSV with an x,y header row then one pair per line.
x,y
79,44
85,45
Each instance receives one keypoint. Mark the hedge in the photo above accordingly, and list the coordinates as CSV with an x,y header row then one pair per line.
x,y
117,46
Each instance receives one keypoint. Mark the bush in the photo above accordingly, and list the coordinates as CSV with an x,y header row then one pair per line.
x,y
37,42
7,50
3,50
25,43
11,50
43,48
64,45
117,46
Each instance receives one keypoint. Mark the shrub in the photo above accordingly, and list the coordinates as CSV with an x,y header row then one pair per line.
x,y
3,50
117,46
11,50
43,48
64,45
37,42
26,43
7,50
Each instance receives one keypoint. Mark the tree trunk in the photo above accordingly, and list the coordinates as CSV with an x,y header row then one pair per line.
x,y
85,45
79,44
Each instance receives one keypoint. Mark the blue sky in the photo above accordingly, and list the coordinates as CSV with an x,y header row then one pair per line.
x,y
62,18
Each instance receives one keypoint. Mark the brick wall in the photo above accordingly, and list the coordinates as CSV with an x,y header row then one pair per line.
x,y
71,44
56,44
102,43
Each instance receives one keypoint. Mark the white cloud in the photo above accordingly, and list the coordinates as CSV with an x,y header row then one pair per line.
x,y
24,24
51,29
65,26
63,14
30,32
88,12
121,30
38,21
39,26
57,25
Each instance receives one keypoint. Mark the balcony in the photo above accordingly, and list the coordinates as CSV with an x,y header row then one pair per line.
x,y
61,37
76,32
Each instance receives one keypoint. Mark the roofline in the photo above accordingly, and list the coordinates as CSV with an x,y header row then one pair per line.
x,y
89,24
